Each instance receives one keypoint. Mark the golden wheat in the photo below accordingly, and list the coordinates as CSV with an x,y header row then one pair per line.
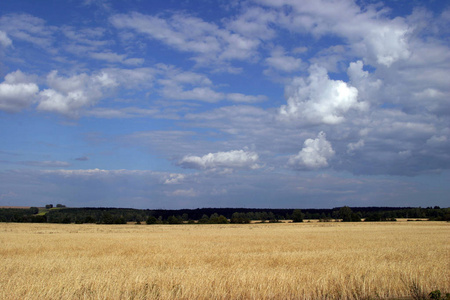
x,y
253,261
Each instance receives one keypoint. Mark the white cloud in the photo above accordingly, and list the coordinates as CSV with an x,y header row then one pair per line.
x,y
370,32
230,159
183,193
314,155
190,34
124,113
46,163
205,94
17,92
5,41
280,61
174,178
352,147
387,41
254,23
319,99
69,95
28,28
116,58
241,98
367,86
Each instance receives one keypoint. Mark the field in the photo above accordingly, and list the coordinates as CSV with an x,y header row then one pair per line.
x,y
252,261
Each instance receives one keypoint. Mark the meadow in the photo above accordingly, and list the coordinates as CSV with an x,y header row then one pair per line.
x,y
388,260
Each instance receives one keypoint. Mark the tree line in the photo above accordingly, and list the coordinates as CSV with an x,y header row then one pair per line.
x,y
101,215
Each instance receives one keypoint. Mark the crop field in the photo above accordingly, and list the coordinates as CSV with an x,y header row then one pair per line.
x,y
252,261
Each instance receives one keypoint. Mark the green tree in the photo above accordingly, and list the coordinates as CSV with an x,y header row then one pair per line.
x,y
151,220
297,216
204,220
174,220
347,215
222,220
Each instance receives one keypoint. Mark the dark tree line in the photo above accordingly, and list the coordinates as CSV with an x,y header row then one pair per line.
x,y
102,215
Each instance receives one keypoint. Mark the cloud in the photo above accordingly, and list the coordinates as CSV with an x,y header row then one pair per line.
x,y
46,164
5,41
174,178
28,28
116,58
254,23
69,95
82,158
127,112
230,159
319,99
369,31
16,92
282,62
208,42
72,95
367,85
183,193
241,98
352,147
314,155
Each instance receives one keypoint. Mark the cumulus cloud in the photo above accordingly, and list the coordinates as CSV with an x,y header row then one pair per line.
x,y
174,178
366,84
230,159
388,41
17,92
68,95
319,99
314,154
370,32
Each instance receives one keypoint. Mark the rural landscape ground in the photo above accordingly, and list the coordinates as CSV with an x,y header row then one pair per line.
x,y
311,260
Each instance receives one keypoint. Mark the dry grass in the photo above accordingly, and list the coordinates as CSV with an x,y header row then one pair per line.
x,y
253,261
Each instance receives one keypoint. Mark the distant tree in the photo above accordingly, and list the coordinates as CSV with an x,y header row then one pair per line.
x,y
263,216
60,205
185,217
272,217
48,206
204,220
151,220
66,220
297,216
107,218
222,220
213,219
240,218
89,219
34,210
174,220
347,215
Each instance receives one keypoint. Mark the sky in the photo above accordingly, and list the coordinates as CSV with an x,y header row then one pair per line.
x,y
239,103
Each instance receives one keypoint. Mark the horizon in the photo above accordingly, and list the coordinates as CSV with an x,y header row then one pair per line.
x,y
253,103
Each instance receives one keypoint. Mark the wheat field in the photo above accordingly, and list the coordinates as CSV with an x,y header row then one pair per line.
x,y
251,261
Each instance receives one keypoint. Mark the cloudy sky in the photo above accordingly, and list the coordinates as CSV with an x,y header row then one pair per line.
x,y
241,103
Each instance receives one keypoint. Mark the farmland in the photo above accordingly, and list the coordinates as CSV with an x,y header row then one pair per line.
x,y
250,261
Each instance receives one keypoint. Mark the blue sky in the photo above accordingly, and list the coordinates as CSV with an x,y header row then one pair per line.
x,y
259,103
